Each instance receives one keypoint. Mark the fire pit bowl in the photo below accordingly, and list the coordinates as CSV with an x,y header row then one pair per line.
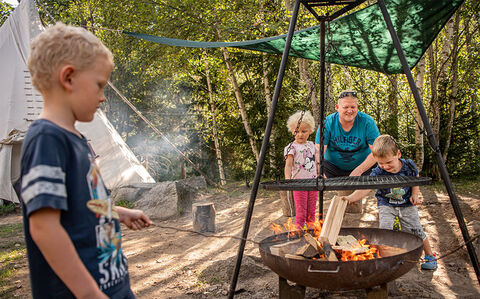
x,y
338,276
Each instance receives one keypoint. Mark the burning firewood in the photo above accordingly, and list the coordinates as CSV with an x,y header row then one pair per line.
x,y
385,250
307,251
349,243
285,248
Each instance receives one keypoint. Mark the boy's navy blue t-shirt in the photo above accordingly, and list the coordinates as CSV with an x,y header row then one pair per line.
x,y
396,197
59,172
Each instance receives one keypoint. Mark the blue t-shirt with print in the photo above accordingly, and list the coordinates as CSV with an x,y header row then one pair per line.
x,y
396,197
59,172
347,150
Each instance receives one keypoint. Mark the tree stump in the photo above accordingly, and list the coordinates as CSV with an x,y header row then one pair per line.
x,y
203,217
288,204
354,208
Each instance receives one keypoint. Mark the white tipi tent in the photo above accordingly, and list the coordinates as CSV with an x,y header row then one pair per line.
x,y
20,104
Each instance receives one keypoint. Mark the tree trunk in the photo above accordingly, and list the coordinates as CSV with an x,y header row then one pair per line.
x,y
268,96
306,77
213,111
268,102
453,95
392,118
241,105
434,104
419,151
329,96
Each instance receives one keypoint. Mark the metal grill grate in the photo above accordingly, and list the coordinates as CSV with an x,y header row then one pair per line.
x,y
347,183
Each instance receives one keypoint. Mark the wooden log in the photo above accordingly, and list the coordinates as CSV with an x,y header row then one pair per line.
x,y
203,217
295,257
286,247
288,204
307,251
350,243
333,220
386,250
328,250
315,243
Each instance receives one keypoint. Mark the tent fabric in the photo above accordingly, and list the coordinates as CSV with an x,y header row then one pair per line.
x,y
360,39
21,103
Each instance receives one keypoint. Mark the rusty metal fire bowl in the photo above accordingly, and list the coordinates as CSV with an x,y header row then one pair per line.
x,y
350,275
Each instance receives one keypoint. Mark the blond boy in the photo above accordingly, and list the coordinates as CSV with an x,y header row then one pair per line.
x,y
72,230
397,202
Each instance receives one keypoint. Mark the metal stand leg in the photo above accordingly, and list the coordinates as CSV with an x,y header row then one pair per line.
x,y
379,292
286,291
266,137
431,138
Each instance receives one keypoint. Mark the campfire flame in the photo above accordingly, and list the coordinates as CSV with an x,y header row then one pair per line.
x,y
370,253
315,228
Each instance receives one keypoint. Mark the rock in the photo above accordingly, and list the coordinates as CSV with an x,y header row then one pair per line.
x,y
160,202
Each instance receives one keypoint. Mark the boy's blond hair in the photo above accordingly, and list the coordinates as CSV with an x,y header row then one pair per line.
x,y
59,45
384,146
292,122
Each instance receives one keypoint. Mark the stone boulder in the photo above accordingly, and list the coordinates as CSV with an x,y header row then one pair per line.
x,y
164,199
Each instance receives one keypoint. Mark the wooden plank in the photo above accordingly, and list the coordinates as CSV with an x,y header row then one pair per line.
x,y
333,220
350,243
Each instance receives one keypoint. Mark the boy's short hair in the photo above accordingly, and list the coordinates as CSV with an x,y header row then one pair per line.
x,y
61,44
384,146
292,122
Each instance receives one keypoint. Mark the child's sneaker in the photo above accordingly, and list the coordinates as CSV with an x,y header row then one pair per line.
x,y
429,262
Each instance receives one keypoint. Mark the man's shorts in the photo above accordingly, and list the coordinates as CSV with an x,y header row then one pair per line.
x,y
408,217
332,171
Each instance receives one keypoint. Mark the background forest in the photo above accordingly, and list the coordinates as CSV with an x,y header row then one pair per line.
x,y
213,104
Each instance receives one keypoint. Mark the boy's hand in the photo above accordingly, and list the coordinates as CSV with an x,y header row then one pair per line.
x,y
415,199
133,219
348,198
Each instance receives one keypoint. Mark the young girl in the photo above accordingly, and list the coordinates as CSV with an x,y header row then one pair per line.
x,y
301,158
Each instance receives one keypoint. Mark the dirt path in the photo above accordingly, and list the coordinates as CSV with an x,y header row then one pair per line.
x,y
167,263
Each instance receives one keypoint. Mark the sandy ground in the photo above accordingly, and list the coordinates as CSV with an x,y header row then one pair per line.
x,y
169,263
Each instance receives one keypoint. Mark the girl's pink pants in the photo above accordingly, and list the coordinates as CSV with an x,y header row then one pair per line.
x,y
305,204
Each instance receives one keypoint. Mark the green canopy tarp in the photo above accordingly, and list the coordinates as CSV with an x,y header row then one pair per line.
x,y
360,39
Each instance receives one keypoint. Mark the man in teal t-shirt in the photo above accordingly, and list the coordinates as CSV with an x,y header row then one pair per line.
x,y
349,134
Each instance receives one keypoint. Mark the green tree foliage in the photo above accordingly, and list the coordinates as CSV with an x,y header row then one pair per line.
x,y
168,84
5,10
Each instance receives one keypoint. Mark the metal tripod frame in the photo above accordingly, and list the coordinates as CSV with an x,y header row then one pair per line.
x,y
278,85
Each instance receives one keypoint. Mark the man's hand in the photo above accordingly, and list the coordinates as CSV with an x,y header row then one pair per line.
x,y
415,199
133,219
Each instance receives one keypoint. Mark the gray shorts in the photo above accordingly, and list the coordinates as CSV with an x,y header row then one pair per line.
x,y
408,217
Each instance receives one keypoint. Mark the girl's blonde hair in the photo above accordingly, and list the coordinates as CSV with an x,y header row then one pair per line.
x,y
384,146
61,44
292,122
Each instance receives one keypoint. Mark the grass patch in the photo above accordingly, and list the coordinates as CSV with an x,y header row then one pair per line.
x,y
460,185
8,208
125,203
10,230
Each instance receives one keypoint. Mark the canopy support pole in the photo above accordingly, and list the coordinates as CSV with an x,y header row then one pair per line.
x,y
431,138
266,137
322,111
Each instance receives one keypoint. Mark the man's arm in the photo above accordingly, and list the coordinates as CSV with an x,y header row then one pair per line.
x,y
357,195
365,165
59,251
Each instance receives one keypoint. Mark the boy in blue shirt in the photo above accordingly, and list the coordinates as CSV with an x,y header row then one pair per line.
x,y
72,229
397,202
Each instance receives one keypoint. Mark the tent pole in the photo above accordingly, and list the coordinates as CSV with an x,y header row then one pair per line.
x,y
266,136
322,110
432,140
